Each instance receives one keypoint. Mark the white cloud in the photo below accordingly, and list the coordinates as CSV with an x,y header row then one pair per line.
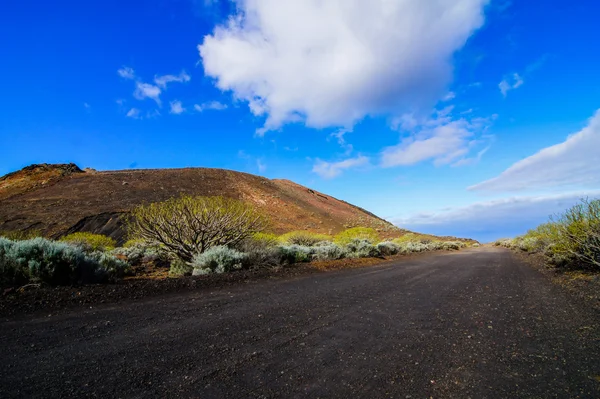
x,y
574,162
329,170
86,106
146,90
510,83
162,81
449,96
176,107
487,221
331,63
134,113
339,136
441,138
211,105
262,167
126,73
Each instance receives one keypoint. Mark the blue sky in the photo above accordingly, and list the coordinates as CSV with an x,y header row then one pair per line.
x,y
468,118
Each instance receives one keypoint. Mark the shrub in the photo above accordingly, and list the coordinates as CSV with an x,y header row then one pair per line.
x,y
55,263
179,268
89,241
361,248
265,239
18,235
290,254
452,245
305,238
12,272
568,240
412,237
356,233
263,257
329,251
138,252
411,247
576,234
187,226
388,248
219,259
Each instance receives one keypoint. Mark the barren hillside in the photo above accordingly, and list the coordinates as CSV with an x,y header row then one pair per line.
x,y
56,199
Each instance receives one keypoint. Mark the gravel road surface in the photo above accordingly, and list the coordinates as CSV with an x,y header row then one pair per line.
x,y
475,323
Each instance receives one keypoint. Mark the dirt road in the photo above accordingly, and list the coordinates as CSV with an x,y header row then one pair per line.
x,y
475,323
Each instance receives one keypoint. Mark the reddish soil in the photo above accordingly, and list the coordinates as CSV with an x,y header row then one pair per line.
x,y
59,199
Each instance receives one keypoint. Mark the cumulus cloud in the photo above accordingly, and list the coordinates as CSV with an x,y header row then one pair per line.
x,y
126,73
134,113
488,221
164,80
211,105
146,90
510,83
329,170
574,162
331,63
441,138
176,107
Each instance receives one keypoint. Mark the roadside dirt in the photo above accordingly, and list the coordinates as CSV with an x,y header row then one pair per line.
x,y
477,323
19,301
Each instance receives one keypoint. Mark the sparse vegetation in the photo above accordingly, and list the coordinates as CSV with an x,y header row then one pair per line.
x,y
90,258
356,233
55,263
305,238
20,235
90,242
187,226
569,240
219,259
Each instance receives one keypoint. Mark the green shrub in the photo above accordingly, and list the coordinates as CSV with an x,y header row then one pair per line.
x,y
571,239
290,254
356,233
220,259
388,248
18,235
187,226
361,248
305,238
138,252
328,251
12,272
412,237
90,241
265,239
55,263
451,245
179,268
263,257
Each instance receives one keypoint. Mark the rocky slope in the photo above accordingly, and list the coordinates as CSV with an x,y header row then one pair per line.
x,y
58,199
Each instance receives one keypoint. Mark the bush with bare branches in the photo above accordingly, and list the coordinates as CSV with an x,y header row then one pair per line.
x,y
187,226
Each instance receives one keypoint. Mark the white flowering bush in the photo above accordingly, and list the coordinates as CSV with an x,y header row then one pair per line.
x,y
219,259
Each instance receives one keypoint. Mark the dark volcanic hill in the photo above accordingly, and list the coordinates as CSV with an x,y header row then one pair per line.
x,y
59,199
